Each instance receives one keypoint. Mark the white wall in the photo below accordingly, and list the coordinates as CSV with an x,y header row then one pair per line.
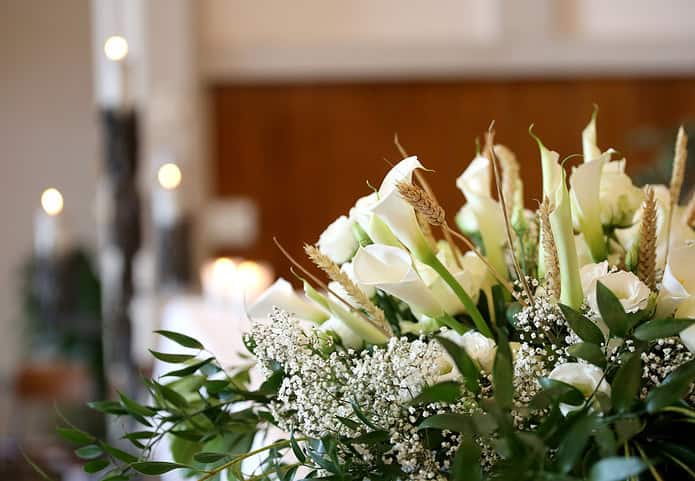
x,y
48,135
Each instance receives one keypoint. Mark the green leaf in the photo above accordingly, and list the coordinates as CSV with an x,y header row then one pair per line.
x,y
115,477
611,310
207,458
372,437
575,441
502,374
446,392
172,358
349,423
172,396
181,339
95,466
673,388
298,453
627,428
134,407
558,392
91,451
582,326
460,423
466,465
154,468
660,328
75,436
589,352
362,416
616,469
187,371
464,363
108,407
119,454
627,381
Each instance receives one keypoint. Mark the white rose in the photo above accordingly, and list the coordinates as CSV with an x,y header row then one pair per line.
x,y
618,197
590,273
480,348
687,310
632,293
584,377
337,241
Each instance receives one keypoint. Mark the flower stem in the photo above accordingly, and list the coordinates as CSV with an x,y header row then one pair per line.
x,y
449,321
431,260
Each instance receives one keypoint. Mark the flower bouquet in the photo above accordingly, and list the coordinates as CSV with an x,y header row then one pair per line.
x,y
554,344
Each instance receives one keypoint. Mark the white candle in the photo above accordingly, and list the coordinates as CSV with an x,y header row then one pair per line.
x,y
166,202
49,231
225,280
115,78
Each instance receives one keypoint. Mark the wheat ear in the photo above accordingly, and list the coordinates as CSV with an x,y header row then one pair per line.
x,y
552,262
680,158
320,283
426,186
433,213
332,270
646,268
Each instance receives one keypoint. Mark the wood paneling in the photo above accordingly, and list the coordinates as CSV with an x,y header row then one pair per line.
x,y
305,152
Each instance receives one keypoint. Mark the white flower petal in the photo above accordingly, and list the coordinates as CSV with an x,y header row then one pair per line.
x,y
283,296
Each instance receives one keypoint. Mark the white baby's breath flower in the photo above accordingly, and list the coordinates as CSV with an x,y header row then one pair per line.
x,y
587,378
338,241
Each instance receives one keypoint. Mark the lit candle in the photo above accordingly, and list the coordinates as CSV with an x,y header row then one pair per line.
x,y
49,231
225,280
166,204
115,79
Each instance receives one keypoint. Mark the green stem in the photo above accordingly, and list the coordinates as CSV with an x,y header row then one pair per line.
x,y
449,321
431,260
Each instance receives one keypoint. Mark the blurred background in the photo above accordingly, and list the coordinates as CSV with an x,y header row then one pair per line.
x,y
151,149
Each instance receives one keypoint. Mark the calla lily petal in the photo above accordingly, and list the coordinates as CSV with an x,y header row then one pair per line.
x,y
400,218
389,269
586,206
554,187
283,296
590,148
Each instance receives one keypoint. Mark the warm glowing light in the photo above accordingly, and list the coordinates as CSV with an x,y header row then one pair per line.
x,y
116,48
224,268
52,201
169,176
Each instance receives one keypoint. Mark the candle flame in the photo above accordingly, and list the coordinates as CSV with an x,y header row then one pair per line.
x,y
116,48
52,201
169,176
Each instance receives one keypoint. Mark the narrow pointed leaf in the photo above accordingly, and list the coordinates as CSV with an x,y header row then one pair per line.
x,y
627,383
582,326
660,328
612,311
181,339
589,352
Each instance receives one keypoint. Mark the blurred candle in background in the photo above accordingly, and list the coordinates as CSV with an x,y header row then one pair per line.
x,y
166,202
225,280
115,88
49,229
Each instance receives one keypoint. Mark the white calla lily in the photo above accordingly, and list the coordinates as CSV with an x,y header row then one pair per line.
x,y
283,296
471,275
375,228
678,284
390,269
590,147
585,183
348,337
555,189
474,182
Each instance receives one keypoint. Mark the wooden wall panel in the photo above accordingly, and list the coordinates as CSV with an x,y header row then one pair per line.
x,y
305,152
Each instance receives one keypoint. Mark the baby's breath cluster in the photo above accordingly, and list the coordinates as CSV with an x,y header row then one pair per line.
x,y
662,358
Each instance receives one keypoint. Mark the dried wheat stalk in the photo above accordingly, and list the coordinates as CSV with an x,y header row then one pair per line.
x,y
552,263
680,158
646,269
332,270
433,213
